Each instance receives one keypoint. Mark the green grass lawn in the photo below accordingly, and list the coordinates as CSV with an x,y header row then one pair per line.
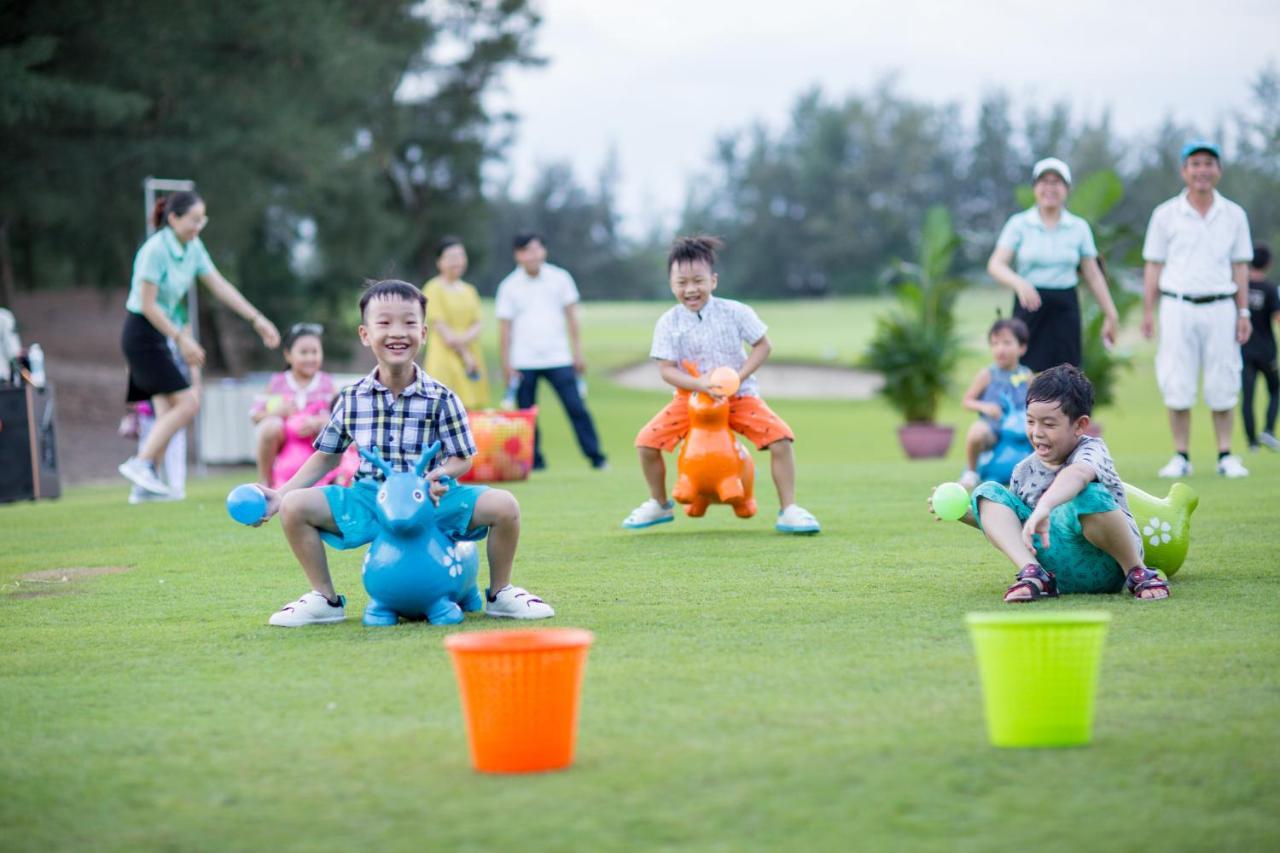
x,y
746,690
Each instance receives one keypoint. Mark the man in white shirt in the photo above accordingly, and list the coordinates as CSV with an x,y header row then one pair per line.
x,y
1197,254
537,309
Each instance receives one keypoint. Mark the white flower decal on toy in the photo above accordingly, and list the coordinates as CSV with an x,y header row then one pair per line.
x,y
452,562
1156,531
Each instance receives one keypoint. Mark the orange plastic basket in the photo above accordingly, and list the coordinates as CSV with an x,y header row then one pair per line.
x,y
504,444
520,695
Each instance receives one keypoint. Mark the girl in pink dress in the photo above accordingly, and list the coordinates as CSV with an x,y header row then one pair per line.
x,y
294,407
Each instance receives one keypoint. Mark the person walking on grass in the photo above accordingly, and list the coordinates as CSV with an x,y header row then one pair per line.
x,y
1258,354
166,266
1040,255
1197,252
538,337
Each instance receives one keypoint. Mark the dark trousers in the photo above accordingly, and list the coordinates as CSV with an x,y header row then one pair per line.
x,y
565,383
1252,367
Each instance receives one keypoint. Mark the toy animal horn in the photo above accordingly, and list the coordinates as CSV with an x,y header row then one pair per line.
x,y
427,456
376,460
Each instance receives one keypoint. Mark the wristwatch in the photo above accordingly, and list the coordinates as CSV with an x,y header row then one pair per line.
x,y
1244,313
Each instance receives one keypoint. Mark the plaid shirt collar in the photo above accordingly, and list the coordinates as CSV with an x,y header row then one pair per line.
x,y
421,386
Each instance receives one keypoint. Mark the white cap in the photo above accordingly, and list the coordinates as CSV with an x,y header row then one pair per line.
x,y
1051,164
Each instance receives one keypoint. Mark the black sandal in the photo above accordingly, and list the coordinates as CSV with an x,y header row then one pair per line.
x,y
1141,579
1033,577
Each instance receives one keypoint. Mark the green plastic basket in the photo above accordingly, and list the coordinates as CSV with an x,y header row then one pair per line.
x,y
1039,674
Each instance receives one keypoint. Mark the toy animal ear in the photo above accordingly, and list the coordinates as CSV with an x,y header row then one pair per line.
x,y
375,459
690,367
427,456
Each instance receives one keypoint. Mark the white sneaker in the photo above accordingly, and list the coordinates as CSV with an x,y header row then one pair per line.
x,y
1269,441
1232,468
797,519
143,475
139,495
512,602
648,514
1175,468
969,479
312,609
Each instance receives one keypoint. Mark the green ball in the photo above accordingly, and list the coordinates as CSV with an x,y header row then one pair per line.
x,y
950,501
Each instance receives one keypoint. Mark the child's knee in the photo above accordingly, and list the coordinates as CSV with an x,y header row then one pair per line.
x,y
781,445
981,434
1097,526
498,506
271,428
649,454
302,507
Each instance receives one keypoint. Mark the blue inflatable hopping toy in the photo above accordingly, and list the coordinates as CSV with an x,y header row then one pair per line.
x,y
412,569
1011,445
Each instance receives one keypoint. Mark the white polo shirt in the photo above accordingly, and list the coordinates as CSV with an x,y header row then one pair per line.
x,y
710,338
535,307
1198,251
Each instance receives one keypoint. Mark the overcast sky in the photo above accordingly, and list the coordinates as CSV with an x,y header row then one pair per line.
x,y
658,80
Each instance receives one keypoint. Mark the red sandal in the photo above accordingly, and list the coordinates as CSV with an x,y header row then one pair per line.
x,y
1141,579
1033,577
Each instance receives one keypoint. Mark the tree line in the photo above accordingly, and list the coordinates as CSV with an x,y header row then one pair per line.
x,y
337,140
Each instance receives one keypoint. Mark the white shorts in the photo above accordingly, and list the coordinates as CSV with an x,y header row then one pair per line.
x,y
1196,338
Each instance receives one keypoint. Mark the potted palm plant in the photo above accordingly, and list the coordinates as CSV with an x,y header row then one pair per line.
x,y
915,346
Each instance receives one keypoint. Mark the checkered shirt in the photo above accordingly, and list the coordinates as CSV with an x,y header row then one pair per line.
x,y
710,338
369,414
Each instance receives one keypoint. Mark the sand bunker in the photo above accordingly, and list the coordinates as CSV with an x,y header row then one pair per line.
x,y
786,381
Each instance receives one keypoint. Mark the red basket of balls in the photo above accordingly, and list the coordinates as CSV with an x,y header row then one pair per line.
x,y
504,444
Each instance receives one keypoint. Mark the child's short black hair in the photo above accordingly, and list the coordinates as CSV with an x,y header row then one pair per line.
x,y
1261,256
524,238
1014,325
391,288
699,247
1065,385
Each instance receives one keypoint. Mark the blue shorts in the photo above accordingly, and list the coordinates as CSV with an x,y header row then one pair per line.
x,y
1078,564
354,514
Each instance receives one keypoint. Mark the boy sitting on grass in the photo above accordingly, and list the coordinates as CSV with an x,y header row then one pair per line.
x,y
1068,494
710,332
399,410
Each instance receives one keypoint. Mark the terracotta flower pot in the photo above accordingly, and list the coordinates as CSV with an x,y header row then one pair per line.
x,y
923,440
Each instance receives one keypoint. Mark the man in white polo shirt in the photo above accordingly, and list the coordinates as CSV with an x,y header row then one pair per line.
x,y
537,310
1197,254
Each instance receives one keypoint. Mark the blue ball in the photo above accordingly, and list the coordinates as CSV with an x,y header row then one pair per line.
x,y
247,504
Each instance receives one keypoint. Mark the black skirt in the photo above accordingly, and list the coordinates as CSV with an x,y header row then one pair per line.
x,y
1055,336
152,368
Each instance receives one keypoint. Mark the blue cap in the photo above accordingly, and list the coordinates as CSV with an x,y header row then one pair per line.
x,y
1199,145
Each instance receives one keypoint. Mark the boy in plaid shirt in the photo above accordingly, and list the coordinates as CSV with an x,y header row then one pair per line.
x,y
399,410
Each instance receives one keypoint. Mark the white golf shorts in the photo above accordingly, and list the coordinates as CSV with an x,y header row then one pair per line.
x,y
1197,339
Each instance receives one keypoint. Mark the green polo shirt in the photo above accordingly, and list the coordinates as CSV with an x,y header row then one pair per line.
x,y
172,267
1048,258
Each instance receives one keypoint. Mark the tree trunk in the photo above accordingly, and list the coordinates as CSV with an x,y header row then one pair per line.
x,y
7,293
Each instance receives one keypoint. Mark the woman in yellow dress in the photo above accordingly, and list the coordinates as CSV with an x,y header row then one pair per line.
x,y
454,324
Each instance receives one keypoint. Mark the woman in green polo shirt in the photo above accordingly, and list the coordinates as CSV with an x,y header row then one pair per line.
x,y
164,269
1040,255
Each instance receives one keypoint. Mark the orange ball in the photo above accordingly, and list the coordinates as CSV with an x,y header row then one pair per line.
x,y
724,381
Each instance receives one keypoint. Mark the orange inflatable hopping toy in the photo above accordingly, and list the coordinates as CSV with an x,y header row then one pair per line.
x,y
713,466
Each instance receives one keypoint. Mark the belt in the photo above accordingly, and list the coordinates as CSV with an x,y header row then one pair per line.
x,y
1198,300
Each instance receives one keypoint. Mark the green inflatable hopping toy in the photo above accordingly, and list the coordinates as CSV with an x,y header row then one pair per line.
x,y
1165,524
